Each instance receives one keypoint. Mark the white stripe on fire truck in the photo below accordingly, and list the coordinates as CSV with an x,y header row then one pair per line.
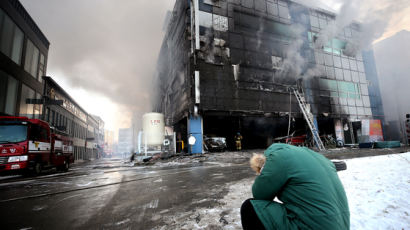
x,y
38,146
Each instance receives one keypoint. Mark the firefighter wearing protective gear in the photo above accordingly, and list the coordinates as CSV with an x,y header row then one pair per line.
x,y
238,141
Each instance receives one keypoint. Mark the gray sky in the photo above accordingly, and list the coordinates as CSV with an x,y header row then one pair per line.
x,y
103,51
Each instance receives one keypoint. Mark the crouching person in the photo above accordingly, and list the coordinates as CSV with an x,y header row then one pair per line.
x,y
305,182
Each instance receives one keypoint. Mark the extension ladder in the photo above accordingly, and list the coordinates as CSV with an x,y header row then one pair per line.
x,y
305,108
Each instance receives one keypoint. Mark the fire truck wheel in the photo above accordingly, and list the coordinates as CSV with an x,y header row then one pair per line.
x,y
38,167
65,166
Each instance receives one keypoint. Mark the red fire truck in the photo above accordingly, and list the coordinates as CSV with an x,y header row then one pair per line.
x,y
30,145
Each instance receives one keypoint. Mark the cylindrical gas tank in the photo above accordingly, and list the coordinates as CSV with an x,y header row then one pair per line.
x,y
153,126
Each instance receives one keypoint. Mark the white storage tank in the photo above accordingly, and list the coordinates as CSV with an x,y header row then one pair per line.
x,y
153,126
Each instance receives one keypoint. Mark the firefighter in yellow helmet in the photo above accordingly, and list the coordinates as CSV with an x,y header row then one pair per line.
x,y
238,141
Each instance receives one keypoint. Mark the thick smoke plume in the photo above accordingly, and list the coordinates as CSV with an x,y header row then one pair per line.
x,y
108,47
373,16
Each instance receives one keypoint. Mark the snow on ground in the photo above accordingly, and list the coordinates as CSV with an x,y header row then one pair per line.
x,y
377,189
224,216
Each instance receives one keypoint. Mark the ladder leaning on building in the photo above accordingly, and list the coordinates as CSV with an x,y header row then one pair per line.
x,y
304,107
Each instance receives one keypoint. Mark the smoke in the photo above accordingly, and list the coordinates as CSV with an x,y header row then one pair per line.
x,y
107,47
373,17
392,56
260,32
294,63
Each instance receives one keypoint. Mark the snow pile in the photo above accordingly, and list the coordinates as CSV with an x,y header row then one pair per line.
x,y
377,189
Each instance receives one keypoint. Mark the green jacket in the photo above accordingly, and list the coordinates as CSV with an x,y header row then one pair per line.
x,y
308,185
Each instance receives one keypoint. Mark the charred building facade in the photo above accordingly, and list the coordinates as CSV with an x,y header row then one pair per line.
x,y
227,66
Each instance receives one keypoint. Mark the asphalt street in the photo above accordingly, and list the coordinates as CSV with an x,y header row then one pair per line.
x,y
113,194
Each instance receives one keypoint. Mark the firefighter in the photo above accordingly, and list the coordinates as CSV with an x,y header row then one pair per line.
x,y
238,141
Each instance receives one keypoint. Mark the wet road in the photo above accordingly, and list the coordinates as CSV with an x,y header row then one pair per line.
x,y
111,194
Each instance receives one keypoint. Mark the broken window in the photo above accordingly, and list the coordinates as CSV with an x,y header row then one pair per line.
x,y
214,21
220,23
276,62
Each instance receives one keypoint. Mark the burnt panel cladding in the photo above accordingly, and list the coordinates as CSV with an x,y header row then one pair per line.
x,y
173,66
238,59
239,67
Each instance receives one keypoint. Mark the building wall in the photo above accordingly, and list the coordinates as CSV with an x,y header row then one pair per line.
x,y
71,120
109,142
173,67
100,138
251,52
373,85
23,60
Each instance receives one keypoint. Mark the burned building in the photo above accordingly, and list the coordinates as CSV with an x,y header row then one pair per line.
x,y
229,66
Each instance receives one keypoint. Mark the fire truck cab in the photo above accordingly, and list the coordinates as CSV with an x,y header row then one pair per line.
x,y
30,145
